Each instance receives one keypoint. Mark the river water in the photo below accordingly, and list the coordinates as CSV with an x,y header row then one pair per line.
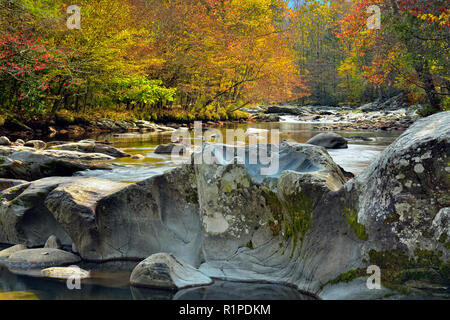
x,y
110,280
354,159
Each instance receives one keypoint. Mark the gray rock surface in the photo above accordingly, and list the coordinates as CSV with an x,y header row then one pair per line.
x,y
24,218
108,220
163,270
41,258
403,196
29,164
329,141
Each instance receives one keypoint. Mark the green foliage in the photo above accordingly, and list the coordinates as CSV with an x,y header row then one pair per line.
x,y
136,90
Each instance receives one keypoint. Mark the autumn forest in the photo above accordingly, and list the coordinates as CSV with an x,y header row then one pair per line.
x,y
182,60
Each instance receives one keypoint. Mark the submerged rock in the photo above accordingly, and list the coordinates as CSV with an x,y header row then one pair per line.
x,y
41,258
138,157
163,270
329,141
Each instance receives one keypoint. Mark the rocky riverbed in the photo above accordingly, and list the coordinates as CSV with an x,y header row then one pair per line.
x,y
303,225
368,117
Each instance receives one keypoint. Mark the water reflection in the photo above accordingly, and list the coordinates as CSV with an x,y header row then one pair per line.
x,y
110,282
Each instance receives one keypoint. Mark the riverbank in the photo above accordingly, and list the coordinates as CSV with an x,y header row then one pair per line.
x,y
387,116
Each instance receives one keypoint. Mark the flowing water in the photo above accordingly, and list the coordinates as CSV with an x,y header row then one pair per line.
x,y
354,159
110,280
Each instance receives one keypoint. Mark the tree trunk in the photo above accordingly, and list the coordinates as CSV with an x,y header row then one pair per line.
x,y
428,85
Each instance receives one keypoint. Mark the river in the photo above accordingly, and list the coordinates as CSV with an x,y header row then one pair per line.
x,y
110,280
354,159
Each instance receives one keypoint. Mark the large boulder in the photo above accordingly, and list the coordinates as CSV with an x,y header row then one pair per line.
x,y
403,196
109,220
329,141
402,202
24,218
278,202
41,258
163,270
320,236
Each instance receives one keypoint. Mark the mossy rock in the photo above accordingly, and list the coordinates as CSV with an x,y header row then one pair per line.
x,y
351,215
398,267
291,216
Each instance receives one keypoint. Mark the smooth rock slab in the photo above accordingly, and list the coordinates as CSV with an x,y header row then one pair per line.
x,y
41,258
163,270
